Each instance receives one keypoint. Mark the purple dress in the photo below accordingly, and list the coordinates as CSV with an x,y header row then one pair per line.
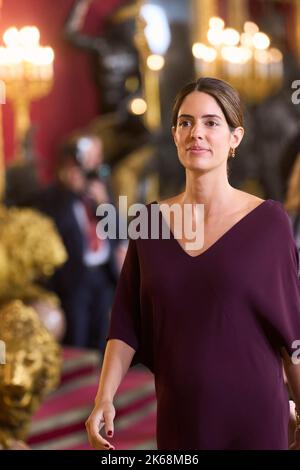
x,y
211,327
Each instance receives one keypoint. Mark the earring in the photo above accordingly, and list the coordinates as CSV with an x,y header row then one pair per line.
x,y
232,152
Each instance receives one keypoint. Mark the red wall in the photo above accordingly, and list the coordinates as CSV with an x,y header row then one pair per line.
x,y
73,101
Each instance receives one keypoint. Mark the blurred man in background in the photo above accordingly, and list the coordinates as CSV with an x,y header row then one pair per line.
x,y
85,284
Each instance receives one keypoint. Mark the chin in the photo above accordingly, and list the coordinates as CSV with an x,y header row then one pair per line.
x,y
199,166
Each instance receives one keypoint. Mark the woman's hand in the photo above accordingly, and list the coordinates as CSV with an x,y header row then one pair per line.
x,y
296,444
102,416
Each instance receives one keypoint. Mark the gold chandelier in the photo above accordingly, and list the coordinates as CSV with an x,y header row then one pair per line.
x,y
244,59
26,69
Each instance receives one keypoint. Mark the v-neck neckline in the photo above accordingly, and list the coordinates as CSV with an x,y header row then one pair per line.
x,y
221,238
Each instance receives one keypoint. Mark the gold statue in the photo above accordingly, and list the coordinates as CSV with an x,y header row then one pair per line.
x,y
32,369
30,249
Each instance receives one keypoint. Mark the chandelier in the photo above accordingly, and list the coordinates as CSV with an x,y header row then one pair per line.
x,y
26,69
244,59
152,40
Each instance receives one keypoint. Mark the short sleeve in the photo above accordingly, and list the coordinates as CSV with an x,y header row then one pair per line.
x,y
125,315
282,286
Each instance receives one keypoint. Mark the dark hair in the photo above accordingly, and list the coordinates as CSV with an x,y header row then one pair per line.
x,y
67,156
225,95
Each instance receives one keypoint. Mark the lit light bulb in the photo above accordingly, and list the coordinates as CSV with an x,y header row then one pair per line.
x,y
210,54
262,56
29,36
250,27
215,37
261,41
138,106
216,23
231,37
11,37
275,54
198,50
155,62
246,40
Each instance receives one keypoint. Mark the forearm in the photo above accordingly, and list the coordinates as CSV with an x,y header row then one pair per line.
x,y
117,359
74,25
77,16
292,372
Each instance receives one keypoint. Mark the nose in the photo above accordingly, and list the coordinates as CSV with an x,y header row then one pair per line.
x,y
197,131
15,376
16,391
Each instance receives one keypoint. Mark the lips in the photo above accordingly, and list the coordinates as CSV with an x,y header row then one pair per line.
x,y
18,399
195,148
198,148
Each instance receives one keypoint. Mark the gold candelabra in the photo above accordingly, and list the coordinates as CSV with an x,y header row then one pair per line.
x,y
152,40
245,58
26,68
2,101
2,164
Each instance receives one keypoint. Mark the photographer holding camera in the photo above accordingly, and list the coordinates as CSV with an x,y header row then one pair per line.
x,y
86,283
89,154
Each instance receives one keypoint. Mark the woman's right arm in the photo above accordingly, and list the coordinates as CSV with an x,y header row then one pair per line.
x,y
117,359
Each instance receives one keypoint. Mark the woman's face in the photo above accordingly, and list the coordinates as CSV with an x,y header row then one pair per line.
x,y
202,135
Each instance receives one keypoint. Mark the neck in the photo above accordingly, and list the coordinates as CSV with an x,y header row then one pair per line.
x,y
211,189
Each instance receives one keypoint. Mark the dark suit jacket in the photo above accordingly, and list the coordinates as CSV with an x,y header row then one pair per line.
x,y
57,202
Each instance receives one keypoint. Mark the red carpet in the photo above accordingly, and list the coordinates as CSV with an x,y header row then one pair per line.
x,y
59,423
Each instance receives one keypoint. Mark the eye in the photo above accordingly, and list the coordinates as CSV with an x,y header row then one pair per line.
x,y
184,124
30,359
211,123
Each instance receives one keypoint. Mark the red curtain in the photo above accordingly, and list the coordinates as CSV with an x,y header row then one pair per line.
x,y
73,101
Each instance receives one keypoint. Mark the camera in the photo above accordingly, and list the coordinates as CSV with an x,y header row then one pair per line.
x,y
89,161
102,173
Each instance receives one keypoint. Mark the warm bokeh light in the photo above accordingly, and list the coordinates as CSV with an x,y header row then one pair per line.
x,y
216,23
155,62
138,106
247,40
29,36
275,54
261,41
11,37
197,50
215,37
26,69
244,59
132,84
157,29
261,56
231,37
236,55
23,58
250,27
201,51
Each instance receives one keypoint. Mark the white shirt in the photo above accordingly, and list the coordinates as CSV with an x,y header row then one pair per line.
x,y
90,258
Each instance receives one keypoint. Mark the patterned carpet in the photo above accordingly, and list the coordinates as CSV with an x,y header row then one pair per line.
x,y
59,423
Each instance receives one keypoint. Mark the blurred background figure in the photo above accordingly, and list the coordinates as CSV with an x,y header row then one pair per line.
x,y
85,284
114,56
116,68
292,186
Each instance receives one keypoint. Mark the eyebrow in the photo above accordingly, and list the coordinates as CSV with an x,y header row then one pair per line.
x,y
202,117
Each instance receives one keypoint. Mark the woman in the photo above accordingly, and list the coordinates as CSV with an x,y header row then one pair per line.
x,y
212,323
